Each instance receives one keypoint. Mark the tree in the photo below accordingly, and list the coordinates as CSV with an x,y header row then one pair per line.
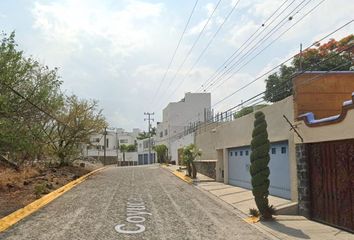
x,y
247,110
190,153
259,169
161,151
131,148
333,55
22,126
79,119
145,135
279,85
123,148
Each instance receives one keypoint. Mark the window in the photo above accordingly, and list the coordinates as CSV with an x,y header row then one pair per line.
x,y
107,143
283,150
161,134
165,132
241,153
235,153
246,152
123,141
274,151
231,154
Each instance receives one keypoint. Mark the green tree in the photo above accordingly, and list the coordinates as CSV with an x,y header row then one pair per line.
x,y
190,153
145,135
333,55
131,148
123,149
79,119
161,151
22,126
259,169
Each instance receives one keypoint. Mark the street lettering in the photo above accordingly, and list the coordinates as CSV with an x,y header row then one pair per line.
x,y
135,208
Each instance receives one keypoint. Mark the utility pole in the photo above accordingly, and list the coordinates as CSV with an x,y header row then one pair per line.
x,y
149,119
104,145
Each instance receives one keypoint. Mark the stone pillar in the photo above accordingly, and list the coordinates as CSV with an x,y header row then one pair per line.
x,y
303,179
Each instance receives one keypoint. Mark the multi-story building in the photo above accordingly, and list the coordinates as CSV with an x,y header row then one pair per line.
x,y
114,139
143,151
179,116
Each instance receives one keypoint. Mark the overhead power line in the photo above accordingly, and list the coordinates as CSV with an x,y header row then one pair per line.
x,y
224,64
175,51
253,48
33,104
282,63
193,46
207,46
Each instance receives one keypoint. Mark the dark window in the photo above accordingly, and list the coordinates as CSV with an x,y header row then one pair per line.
x,y
161,134
283,150
246,152
235,153
241,153
274,151
107,143
231,154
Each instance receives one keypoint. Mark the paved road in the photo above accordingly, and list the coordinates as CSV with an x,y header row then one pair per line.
x,y
100,206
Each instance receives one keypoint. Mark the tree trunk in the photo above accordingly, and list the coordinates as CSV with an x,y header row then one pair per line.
x,y
189,170
194,171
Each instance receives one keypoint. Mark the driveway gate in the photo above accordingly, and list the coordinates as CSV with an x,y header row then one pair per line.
x,y
332,183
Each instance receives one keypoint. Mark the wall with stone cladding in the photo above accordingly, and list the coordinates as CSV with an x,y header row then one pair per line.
x,y
206,168
303,180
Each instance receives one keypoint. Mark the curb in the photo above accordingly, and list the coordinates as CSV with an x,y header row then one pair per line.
x,y
179,175
183,177
20,214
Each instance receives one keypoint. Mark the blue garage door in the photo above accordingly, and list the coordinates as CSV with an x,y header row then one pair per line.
x,y
239,164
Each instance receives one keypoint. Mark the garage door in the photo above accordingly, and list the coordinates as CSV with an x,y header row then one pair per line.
x,y
239,165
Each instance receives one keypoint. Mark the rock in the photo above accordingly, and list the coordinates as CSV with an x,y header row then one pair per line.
x,y
82,165
49,186
75,177
54,170
10,185
25,183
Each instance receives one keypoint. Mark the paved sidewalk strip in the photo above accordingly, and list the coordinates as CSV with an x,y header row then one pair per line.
x,y
285,226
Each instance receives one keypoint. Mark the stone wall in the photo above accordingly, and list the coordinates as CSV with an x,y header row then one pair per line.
x,y
303,179
206,167
109,160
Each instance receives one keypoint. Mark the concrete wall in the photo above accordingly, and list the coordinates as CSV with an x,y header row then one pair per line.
x,y
180,143
238,133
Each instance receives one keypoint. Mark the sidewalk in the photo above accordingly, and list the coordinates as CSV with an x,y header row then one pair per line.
x,y
285,227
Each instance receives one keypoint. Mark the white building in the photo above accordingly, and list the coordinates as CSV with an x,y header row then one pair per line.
x,y
143,151
179,116
114,139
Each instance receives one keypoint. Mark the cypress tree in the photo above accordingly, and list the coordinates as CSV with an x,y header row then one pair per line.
x,y
259,169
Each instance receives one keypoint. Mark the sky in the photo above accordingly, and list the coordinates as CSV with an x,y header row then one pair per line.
x,y
118,51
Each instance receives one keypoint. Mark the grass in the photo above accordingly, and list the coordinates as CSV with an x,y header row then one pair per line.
x,y
10,176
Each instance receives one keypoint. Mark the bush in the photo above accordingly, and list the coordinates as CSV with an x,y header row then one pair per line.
x,y
41,189
259,169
